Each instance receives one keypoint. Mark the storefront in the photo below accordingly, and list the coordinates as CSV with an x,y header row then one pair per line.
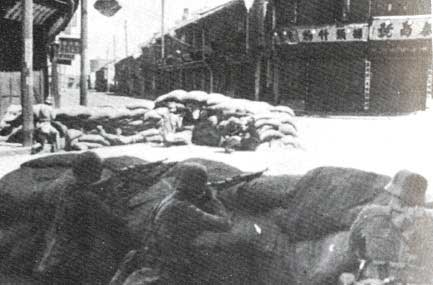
x,y
323,66
400,56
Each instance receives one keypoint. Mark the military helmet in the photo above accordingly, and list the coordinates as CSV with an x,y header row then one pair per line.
x,y
191,179
87,167
410,188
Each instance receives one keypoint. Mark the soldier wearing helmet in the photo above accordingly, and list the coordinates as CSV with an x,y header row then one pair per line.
x,y
378,236
177,220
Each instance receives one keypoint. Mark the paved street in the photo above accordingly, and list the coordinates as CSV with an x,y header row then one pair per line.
x,y
380,144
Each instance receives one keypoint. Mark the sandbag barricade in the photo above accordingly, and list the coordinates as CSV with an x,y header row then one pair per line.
x,y
276,125
257,250
93,127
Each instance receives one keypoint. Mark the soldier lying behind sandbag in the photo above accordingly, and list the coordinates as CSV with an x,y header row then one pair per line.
x,y
119,139
239,134
174,224
79,216
386,239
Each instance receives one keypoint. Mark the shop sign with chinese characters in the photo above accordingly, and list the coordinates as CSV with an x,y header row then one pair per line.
x,y
401,28
320,34
70,45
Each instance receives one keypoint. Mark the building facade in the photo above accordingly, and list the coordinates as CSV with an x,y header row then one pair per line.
x,y
347,56
337,56
206,51
49,18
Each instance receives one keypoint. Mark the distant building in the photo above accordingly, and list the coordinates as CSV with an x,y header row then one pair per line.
x,y
206,51
50,17
337,56
352,56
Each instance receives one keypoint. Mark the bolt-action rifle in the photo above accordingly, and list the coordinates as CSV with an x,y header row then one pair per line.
x,y
232,181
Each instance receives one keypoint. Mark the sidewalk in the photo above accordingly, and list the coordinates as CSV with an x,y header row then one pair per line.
x,y
9,149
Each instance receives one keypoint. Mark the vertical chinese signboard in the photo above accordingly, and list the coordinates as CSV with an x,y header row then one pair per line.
x,y
367,84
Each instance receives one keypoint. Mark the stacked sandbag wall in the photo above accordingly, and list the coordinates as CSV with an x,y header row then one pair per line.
x,y
276,125
81,126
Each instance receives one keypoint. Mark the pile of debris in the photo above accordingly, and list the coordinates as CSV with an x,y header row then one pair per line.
x,y
197,116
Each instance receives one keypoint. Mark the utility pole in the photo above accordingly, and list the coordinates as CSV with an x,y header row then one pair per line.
x,y
84,36
114,48
106,75
126,38
429,100
27,73
163,29
55,76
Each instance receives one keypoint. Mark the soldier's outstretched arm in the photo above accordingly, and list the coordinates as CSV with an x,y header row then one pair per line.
x,y
211,222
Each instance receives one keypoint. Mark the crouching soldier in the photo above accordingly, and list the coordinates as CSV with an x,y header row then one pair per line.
x,y
382,237
175,223
45,132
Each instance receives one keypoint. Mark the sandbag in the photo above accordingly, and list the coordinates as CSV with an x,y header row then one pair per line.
x,y
79,146
264,193
216,98
269,135
136,123
80,112
154,139
272,115
283,109
290,141
288,130
138,113
175,95
17,136
199,97
120,113
91,139
271,122
60,160
142,104
327,199
229,107
73,134
150,132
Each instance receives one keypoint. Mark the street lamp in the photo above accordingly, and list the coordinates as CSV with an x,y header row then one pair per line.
x,y
107,7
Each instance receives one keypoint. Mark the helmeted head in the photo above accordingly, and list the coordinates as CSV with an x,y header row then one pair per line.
x,y
87,167
213,120
410,188
192,180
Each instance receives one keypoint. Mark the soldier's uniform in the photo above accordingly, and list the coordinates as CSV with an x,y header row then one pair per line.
x,y
251,138
170,123
79,217
175,223
377,235
45,132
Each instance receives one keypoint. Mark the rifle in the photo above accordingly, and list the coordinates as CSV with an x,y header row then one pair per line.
x,y
223,184
232,181
136,173
126,173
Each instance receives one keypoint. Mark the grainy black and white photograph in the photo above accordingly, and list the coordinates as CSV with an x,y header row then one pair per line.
x,y
178,142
